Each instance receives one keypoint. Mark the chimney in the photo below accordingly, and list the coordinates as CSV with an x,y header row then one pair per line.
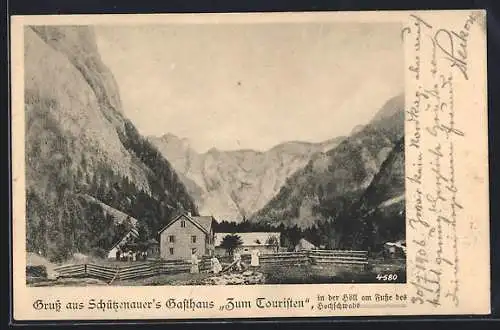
x,y
189,214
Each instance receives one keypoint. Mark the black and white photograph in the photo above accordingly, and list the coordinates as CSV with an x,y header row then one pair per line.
x,y
214,154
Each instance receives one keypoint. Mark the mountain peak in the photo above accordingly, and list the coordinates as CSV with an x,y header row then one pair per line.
x,y
291,146
87,166
356,129
173,140
330,182
390,108
170,136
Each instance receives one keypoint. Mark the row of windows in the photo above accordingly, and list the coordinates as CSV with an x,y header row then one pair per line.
x,y
171,239
171,250
193,238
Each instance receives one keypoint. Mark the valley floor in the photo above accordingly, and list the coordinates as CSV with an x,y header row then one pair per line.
x,y
266,274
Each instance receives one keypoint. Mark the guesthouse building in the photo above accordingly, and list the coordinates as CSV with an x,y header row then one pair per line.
x,y
186,234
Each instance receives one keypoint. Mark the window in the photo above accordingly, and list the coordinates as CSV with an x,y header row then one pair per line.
x,y
171,251
183,224
171,238
193,239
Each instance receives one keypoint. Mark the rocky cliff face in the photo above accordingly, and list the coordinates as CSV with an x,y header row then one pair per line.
x,y
379,214
327,187
233,185
68,105
78,143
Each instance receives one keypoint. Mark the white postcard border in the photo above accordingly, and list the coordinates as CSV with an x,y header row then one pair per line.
x,y
472,226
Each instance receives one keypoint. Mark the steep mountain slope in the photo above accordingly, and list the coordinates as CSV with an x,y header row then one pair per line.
x,y
233,185
77,142
379,215
331,182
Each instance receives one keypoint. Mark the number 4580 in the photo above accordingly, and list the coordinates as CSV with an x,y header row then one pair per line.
x,y
387,277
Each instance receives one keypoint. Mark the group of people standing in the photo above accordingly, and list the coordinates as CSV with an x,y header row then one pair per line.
x,y
216,266
130,255
254,260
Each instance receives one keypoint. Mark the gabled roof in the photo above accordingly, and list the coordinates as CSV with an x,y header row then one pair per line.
x,y
204,223
123,240
249,239
305,244
118,216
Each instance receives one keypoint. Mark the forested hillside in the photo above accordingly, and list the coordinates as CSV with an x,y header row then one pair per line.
x,y
379,215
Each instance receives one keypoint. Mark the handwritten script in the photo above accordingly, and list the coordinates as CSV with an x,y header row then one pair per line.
x,y
439,61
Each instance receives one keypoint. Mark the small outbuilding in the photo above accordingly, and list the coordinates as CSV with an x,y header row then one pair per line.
x,y
128,238
304,245
264,242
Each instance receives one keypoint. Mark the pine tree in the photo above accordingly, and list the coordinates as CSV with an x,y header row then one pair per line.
x,y
230,243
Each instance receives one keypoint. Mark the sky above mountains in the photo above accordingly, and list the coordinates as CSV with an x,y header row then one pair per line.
x,y
252,86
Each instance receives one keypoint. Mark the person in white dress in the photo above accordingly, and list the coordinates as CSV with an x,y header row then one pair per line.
x,y
255,258
216,266
194,263
237,259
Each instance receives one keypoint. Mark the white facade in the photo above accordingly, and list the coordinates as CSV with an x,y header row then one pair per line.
x,y
251,241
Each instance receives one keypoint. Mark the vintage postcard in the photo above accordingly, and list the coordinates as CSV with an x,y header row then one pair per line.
x,y
204,166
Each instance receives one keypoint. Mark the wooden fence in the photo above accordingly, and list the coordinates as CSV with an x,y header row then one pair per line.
x,y
146,269
72,270
289,258
346,261
338,257
124,272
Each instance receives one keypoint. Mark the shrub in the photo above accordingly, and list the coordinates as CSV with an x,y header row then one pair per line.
x,y
36,271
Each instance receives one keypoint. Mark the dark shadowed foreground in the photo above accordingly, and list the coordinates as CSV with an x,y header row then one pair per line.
x,y
267,274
